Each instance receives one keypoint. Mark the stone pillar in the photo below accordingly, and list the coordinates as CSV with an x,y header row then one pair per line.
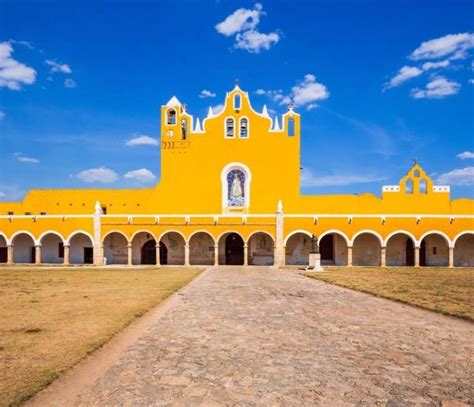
x,y
129,254
98,247
383,256
451,257
186,254
66,261
38,254
10,254
349,256
279,248
246,254
417,256
216,255
157,248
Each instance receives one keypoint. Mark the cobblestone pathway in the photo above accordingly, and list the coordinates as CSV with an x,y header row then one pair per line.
x,y
259,336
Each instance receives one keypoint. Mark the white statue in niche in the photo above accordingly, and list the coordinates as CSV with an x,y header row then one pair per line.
x,y
236,189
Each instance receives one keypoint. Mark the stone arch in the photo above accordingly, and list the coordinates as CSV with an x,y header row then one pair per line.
x,y
201,248
261,249
23,247
297,247
81,248
305,232
366,248
434,249
52,247
464,249
333,248
142,254
83,232
115,245
175,243
3,248
231,248
400,248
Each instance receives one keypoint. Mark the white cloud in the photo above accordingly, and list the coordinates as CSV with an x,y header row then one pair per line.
x,y
2,115
309,180
101,174
453,45
2,195
404,73
141,175
471,81
207,94
11,193
55,67
240,20
13,74
305,93
142,140
23,159
465,155
70,83
462,176
243,22
308,91
435,65
438,88
218,108
254,41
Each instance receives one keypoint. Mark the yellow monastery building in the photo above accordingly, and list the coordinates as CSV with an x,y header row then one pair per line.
x,y
230,194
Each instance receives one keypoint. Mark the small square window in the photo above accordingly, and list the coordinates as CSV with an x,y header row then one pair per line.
x,y
11,213
42,213
27,213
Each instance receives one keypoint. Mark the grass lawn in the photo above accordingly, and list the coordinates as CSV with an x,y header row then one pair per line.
x,y
449,291
51,318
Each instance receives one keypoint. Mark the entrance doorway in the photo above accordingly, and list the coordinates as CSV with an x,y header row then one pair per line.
x,y
148,255
410,253
326,249
234,249
423,253
88,255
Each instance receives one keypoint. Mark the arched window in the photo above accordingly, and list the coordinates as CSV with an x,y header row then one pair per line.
x,y
416,173
291,127
236,188
184,129
237,102
229,127
409,186
244,127
171,117
422,186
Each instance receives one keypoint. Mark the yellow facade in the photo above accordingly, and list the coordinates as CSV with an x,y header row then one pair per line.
x,y
230,192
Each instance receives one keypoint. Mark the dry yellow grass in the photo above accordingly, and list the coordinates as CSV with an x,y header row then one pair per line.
x,y
51,318
449,291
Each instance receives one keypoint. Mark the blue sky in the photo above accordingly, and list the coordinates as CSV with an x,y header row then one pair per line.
x,y
377,84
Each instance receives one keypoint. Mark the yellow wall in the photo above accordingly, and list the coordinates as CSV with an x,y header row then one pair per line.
x,y
191,184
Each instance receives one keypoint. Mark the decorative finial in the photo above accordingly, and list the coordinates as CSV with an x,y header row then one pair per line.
x,y
415,161
185,106
280,207
237,81
291,106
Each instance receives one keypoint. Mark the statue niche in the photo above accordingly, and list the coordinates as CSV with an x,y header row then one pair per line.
x,y
236,188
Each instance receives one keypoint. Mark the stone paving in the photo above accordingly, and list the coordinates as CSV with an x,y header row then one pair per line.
x,y
261,336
